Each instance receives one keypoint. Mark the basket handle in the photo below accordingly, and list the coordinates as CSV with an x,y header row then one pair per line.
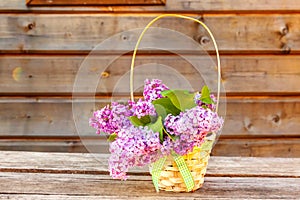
x,y
183,17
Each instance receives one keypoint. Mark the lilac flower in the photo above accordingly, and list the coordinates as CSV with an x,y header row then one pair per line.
x,y
134,146
138,146
184,144
200,103
153,89
110,119
142,108
190,129
171,124
167,146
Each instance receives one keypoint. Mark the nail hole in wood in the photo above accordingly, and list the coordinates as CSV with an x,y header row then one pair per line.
x,y
31,26
204,40
276,119
249,126
124,37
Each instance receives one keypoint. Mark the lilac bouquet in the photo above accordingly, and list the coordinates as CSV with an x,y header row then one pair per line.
x,y
164,122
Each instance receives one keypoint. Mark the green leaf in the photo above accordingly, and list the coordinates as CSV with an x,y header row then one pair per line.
x,y
164,106
205,92
157,127
207,145
112,137
140,121
161,111
205,95
181,99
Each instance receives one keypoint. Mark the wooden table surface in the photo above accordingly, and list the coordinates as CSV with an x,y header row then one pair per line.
x,y
33,175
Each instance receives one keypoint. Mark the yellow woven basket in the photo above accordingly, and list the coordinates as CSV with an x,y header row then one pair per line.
x,y
170,178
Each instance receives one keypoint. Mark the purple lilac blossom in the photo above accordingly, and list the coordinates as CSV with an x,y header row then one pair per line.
x,y
200,103
170,123
153,89
110,119
142,108
191,128
139,146
167,146
134,146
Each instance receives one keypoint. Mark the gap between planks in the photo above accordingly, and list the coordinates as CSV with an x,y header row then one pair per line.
x,y
81,184
45,171
174,6
83,163
88,98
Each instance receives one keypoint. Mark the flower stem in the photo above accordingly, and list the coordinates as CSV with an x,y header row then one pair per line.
x,y
168,134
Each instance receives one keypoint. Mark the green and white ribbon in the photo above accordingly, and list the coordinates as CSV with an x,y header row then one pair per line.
x,y
185,172
183,169
156,170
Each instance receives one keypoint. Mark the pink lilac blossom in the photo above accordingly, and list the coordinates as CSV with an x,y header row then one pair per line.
x,y
153,89
142,108
190,127
110,119
134,146
200,103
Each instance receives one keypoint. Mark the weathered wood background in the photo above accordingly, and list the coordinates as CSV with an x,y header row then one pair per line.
x,y
42,48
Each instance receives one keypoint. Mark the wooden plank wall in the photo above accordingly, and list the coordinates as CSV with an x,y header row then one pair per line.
x,y
42,48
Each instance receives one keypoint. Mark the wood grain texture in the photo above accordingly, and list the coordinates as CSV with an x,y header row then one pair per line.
x,y
83,176
82,163
42,48
54,116
176,6
93,2
51,145
259,147
81,33
248,74
96,185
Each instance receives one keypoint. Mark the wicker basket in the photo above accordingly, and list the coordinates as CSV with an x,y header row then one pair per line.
x,y
170,178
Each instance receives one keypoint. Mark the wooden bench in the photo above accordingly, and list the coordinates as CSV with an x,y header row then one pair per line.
x,y
33,175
